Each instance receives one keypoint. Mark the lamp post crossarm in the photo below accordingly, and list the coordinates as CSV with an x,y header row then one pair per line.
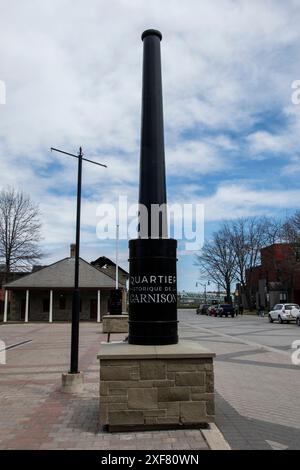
x,y
78,156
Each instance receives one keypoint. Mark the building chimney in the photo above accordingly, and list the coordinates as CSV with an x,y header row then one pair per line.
x,y
72,250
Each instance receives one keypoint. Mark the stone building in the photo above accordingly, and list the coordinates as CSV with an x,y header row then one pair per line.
x,y
5,277
46,293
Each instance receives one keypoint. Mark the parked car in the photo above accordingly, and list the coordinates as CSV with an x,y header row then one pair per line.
x,y
284,313
202,309
298,318
212,311
226,310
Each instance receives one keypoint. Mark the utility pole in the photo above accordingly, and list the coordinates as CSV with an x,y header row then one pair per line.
x,y
76,290
117,256
205,291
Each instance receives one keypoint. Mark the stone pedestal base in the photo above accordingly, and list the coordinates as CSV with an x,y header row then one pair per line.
x,y
72,383
155,387
115,323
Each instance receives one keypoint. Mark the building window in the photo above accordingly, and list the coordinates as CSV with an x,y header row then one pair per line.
x,y
283,296
46,305
62,302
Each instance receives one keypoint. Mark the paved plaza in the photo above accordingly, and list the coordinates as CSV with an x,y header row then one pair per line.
x,y
34,414
257,387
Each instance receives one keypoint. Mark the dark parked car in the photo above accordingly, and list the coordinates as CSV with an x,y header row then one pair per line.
x,y
212,311
202,309
226,310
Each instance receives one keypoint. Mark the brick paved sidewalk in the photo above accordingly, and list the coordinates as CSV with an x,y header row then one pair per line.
x,y
257,386
34,414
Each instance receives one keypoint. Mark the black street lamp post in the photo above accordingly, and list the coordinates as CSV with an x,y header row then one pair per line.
x,y
76,291
203,285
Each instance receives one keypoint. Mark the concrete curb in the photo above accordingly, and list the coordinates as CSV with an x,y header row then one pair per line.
x,y
214,438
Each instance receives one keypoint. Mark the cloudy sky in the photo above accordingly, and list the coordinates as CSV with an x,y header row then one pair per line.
x,y
73,74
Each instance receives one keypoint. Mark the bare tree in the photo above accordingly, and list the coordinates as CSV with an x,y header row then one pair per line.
x,y
246,237
217,261
289,268
19,230
290,230
234,251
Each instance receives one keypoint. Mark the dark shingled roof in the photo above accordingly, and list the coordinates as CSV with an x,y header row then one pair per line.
x,y
61,275
103,260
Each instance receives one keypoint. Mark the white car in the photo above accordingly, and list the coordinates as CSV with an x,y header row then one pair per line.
x,y
284,313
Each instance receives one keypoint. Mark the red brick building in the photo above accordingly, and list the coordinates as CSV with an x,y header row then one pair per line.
x,y
277,279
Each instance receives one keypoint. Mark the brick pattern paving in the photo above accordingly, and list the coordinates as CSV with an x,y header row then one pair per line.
x,y
34,414
258,388
257,404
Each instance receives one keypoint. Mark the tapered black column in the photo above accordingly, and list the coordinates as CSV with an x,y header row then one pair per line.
x,y
152,160
152,256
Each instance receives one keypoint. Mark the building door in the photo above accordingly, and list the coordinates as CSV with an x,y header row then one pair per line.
x,y
295,296
93,309
22,309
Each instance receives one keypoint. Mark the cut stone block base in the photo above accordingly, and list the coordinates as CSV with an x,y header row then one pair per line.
x,y
72,383
115,323
156,387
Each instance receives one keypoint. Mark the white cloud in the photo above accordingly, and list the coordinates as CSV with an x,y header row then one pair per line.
x,y
194,157
262,141
73,71
281,142
292,168
232,201
73,77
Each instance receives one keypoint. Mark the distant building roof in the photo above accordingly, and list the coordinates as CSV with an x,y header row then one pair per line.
x,y
37,267
103,261
61,275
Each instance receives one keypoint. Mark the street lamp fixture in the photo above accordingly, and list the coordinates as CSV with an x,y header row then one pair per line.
x,y
76,291
203,285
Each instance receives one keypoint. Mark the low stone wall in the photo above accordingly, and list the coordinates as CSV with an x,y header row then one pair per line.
x,y
115,323
150,387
